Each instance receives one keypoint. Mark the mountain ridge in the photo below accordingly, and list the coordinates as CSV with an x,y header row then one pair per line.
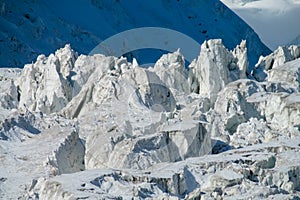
x,y
30,28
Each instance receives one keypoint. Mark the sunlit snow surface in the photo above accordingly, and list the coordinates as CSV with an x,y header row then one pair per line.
x,y
275,21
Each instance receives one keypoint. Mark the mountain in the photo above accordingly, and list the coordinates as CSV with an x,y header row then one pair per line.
x,y
30,28
99,127
94,126
275,22
296,40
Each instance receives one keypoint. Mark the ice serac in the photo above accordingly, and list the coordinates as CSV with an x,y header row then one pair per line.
x,y
281,110
173,143
9,96
44,85
232,109
171,69
8,88
286,76
264,170
216,67
132,132
152,131
245,107
280,56
112,184
69,156
241,59
39,146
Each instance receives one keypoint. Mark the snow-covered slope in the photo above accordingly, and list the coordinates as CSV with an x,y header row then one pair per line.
x,y
97,127
276,22
29,28
296,40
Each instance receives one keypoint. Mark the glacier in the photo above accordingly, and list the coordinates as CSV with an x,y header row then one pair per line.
x,y
77,126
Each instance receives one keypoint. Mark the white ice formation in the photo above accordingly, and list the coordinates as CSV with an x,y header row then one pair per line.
x,y
96,127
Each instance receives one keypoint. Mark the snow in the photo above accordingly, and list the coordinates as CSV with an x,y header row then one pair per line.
x,y
30,28
100,127
274,21
131,132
